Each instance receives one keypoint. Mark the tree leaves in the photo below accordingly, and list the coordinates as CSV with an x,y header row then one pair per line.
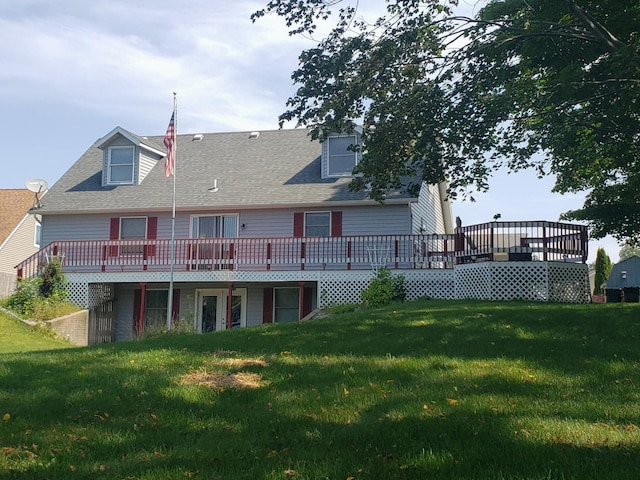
x,y
539,84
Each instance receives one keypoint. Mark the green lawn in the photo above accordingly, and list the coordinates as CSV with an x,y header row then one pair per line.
x,y
424,390
16,337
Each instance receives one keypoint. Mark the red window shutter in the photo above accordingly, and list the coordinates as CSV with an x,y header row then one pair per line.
x,y
152,234
114,229
175,305
298,224
336,224
114,234
137,321
267,305
152,228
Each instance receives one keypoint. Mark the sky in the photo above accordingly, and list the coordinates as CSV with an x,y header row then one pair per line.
x,y
74,70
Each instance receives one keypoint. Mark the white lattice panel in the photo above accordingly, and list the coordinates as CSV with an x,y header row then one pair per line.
x,y
430,283
345,287
569,282
536,281
342,287
519,281
473,281
201,276
78,293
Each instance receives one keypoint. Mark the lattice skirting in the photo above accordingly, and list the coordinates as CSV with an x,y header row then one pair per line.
x,y
535,281
345,287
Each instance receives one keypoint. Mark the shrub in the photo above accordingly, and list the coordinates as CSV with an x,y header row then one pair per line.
x,y
23,300
383,289
53,282
44,297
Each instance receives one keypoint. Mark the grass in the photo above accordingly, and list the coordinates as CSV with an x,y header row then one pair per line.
x,y
423,390
17,337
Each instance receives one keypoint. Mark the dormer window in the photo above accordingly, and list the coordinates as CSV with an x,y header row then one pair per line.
x,y
120,165
341,158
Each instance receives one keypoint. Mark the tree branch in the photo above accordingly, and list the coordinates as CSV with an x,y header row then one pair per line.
x,y
599,31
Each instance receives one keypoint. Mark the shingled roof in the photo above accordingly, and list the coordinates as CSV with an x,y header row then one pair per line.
x,y
277,168
14,205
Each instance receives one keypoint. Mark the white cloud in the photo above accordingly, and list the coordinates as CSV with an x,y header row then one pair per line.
x,y
229,71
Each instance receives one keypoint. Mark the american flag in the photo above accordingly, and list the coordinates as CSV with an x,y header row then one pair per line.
x,y
169,139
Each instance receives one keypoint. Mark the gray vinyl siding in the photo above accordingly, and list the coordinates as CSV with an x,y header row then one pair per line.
x,y
97,227
376,220
360,220
146,162
427,211
254,306
267,223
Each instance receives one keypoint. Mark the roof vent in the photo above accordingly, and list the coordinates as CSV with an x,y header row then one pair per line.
x,y
254,135
197,137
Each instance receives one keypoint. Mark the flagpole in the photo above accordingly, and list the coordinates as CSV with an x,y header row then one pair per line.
x,y
173,214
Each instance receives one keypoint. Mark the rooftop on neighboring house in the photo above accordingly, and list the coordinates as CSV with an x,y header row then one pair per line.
x,y
14,205
625,273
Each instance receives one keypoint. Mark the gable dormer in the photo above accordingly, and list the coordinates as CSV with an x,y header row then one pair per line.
x,y
126,158
338,158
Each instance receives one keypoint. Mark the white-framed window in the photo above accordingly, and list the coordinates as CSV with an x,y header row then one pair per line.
x,y
214,226
155,316
133,228
37,236
341,159
120,165
317,224
212,254
286,304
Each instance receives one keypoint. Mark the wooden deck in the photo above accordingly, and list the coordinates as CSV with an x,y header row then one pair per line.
x,y
515,241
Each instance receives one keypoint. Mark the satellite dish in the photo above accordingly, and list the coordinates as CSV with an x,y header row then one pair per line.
x,y
36,185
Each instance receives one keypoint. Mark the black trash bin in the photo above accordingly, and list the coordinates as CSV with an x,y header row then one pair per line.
x,y
632,294
614,295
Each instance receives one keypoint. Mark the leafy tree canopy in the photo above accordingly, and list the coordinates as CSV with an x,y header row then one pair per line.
x,y
544,84
628,251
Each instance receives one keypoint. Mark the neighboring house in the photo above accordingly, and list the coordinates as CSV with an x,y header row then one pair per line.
x,y
19,234
623,284
267,230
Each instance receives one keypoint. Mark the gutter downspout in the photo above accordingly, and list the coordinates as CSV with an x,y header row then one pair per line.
x,y
445,207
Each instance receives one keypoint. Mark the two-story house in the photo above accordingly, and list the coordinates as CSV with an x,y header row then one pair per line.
x,y
265,228
261,227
